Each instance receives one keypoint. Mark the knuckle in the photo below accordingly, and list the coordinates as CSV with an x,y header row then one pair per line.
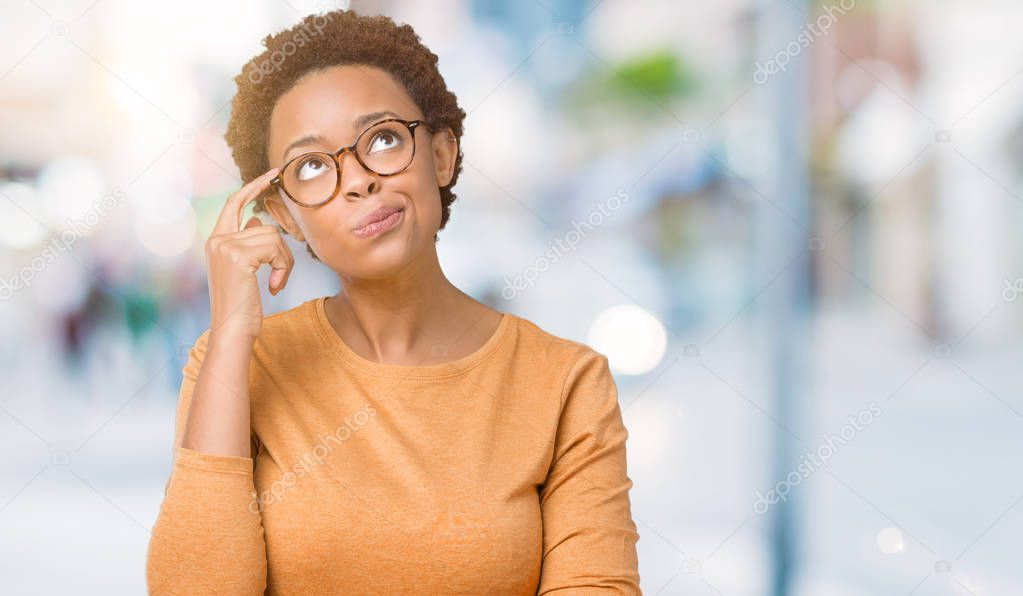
x,y
234,253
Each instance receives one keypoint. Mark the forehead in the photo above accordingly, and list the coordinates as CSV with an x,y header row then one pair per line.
x,y
327,102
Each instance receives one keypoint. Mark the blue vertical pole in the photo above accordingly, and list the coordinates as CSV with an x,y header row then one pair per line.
x,y
784,307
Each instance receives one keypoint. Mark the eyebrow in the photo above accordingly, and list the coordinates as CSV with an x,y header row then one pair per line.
x,y
358,124
366,119
304,142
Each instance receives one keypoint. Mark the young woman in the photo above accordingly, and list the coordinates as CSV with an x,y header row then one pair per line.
x,y
399,437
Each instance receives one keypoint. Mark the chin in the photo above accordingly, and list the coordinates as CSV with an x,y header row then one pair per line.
x,y
380,258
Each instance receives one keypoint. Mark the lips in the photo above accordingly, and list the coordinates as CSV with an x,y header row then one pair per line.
x,y
375,216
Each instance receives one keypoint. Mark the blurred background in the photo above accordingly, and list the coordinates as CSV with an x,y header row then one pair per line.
x,y
791,227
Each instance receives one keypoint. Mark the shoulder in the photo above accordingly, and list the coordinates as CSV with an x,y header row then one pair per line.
x,y
568,356
295,319
588,393
288,336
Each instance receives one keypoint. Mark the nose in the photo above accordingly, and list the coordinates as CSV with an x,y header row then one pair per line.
x,y
356,181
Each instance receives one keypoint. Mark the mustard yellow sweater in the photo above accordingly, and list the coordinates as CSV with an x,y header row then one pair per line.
x,y
502,472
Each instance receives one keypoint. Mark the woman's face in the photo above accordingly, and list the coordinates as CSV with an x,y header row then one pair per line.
x,y
327,110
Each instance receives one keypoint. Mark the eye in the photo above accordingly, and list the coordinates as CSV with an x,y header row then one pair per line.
x,y
312,167
384,140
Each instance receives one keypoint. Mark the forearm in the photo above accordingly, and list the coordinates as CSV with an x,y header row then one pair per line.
x,y
219,417
208,536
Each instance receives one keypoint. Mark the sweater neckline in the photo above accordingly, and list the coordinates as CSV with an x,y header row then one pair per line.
x,y
444,369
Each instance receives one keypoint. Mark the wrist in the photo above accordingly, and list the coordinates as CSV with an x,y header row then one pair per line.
x,y
229,340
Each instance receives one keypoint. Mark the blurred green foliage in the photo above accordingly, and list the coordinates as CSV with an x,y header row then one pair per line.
x,y
663,76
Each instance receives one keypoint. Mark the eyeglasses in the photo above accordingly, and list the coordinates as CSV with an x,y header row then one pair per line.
x,y
385,149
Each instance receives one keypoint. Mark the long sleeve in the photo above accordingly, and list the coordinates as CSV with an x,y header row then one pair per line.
x,y
589,537
208,535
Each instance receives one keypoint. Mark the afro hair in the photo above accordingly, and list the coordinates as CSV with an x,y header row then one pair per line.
x,y
336,38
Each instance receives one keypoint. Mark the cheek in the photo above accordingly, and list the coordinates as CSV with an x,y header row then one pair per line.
x,y
317,224
296,216
327,222
426,198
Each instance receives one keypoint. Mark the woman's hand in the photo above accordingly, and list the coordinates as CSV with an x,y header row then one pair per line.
x,y
233,255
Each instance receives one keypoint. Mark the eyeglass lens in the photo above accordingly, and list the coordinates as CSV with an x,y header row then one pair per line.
x,y
384,149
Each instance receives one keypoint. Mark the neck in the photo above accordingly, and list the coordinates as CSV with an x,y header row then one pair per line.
x,y
391,318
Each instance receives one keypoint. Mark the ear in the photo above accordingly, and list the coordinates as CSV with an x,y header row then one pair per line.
x,y
275,205
445,152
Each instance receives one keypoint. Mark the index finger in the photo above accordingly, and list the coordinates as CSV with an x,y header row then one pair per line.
x,y
230,217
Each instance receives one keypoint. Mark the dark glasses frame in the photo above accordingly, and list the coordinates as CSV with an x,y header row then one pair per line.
x,y
278,181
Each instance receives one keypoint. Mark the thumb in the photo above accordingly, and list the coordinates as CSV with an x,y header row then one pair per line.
x,y
277,279
253,221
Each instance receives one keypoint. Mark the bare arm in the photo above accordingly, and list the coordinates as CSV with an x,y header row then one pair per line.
x,y
219,419
218,422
